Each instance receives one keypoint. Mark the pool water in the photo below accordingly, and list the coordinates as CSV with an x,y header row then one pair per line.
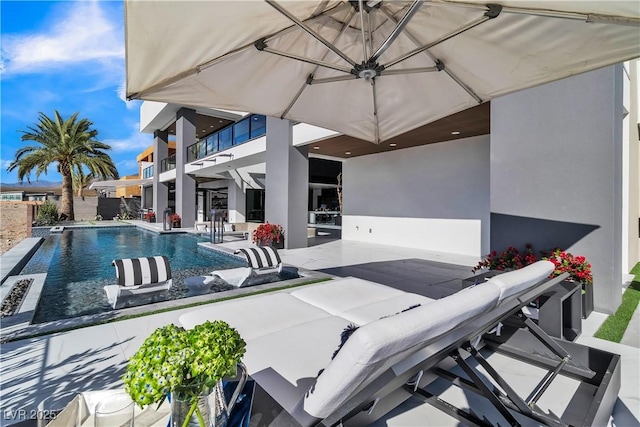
x,y
78,266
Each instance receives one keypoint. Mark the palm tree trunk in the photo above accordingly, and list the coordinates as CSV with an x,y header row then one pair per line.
x,y
66,202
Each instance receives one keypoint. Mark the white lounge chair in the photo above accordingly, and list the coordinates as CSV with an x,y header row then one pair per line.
x,y
264,266
137,277
292,337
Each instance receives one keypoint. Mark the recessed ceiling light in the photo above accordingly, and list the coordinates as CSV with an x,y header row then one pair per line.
x,y
210,126
316,148
347,152
392,144
455,132
219,121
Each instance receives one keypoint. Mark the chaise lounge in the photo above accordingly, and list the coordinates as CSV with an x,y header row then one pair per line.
x,y
138,277
264,266
300,354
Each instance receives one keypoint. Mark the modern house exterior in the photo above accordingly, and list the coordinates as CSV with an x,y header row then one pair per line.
x,y
553,166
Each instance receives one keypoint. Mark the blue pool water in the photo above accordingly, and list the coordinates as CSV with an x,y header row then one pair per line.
x,y
78,265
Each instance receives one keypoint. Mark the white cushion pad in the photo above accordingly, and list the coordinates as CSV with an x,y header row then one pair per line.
x,y
256,316
375,346
370,312
338,296
286,363
514,282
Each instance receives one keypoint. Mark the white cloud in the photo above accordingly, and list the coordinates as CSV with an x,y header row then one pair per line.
x,y
82,33
127,167
135,142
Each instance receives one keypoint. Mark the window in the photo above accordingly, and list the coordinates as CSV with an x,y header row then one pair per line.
x,y
225,140
255,205
258,125
241,131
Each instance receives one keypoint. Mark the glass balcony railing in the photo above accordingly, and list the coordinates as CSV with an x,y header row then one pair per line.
x,y
249,128
168,164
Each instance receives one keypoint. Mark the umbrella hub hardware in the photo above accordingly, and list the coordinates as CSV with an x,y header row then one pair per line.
x,y
367,70
368,6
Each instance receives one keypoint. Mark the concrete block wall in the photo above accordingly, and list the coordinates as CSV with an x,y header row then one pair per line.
x,y
15,223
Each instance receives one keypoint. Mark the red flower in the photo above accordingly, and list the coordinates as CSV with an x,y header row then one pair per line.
x,y
266,234
511,258
577,266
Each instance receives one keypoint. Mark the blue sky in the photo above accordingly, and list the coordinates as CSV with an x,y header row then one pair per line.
x,y
66,56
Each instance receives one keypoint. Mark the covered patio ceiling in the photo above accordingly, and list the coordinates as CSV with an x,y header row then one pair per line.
x,y
472,122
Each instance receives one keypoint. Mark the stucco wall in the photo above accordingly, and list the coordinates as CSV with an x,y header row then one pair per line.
x,y
433,197
556,156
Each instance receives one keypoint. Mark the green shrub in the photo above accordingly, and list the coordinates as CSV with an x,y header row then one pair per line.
x,y
47,214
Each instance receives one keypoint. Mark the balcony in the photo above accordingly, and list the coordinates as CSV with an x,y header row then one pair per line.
x,y
251,127
168,164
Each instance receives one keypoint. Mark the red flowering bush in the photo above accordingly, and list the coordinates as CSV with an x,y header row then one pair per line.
x,y
509,259
577,266
266,234
175,217
149,215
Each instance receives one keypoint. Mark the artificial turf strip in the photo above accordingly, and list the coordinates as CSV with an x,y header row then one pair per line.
x,y
636,272
613,328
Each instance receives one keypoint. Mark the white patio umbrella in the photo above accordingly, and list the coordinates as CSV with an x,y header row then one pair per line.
x,y
370,69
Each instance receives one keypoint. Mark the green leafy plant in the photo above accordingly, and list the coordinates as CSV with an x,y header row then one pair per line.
x,y
47,214
191,361
267,234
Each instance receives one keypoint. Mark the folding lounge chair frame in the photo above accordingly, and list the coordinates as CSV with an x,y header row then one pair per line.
x,y
598,371
139,276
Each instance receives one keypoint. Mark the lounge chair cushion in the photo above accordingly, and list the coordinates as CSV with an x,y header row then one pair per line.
x,y
377,345
142,271
340,296
273,312
513,282
261,257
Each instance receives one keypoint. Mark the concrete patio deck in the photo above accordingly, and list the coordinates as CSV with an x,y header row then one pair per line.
x,y
95,357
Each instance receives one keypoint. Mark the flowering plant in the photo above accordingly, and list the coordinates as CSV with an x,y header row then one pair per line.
x,y
509,259
189,360
267,234
149,215
577,266
175,217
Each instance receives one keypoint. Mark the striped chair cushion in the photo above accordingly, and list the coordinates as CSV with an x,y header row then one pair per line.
x,y
142,271
261,257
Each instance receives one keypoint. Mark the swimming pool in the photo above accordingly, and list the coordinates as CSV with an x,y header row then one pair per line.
x,y
78,266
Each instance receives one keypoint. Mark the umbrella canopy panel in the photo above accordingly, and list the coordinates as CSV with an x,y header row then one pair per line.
x,y
373,69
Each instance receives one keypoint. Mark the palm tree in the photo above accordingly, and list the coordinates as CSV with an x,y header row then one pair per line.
x,y
71,144
80,180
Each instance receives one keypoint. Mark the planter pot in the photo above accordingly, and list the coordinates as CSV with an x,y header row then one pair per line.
x,y
152,219
273,244
176,224
587,300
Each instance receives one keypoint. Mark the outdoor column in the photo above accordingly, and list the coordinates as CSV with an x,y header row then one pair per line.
x,y
160,190
185,184
236,200
287,183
